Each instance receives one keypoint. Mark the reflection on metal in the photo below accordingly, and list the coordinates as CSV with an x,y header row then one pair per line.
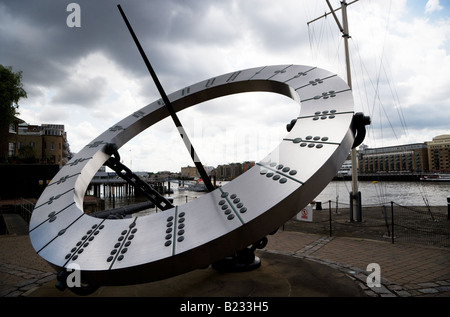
x,y
217,224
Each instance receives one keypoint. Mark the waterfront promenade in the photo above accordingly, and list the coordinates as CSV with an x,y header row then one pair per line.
x,y
294,264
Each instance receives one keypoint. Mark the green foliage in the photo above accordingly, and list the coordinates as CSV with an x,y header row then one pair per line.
x,y
11,91
28,154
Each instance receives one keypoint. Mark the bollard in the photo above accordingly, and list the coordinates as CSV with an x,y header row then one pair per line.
x,y
358,211
329,215
392,220
448,207
318,205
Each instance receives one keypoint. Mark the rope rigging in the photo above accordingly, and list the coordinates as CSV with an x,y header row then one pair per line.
x,y
375,90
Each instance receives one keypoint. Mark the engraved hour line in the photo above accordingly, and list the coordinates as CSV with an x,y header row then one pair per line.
x,y
258,72
315,115
138,114
278,172
336,92
123,243
96,143
210,82
63,179
232,207
279,71
116,128
313,141
81,245
185,91
175,230
79,160
51,200
233,76
58,234
48,218
300,74
309,83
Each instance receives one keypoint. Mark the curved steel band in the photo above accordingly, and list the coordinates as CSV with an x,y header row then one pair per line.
x,y
207,229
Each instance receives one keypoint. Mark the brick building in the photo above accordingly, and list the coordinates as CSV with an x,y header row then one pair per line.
x,y
439,153
46,143
411,158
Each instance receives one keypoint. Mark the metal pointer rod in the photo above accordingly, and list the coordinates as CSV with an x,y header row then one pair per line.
x,y
169,107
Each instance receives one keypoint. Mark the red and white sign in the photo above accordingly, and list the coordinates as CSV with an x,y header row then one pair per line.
x,y
306,214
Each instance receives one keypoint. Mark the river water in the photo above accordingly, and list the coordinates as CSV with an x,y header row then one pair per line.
x,y
379,193
372,193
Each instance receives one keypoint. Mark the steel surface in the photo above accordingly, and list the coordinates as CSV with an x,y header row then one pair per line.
x,y
207,229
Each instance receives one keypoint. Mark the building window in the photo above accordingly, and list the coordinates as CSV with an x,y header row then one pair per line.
x,y
11,149
52,146
12,128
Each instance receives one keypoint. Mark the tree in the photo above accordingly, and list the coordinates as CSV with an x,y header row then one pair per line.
x,y
28,154
11,91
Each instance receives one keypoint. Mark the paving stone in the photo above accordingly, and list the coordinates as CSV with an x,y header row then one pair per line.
x,y
428,290
46,279
428,285
29,292
380,290
443,288
403,293
388,295
27,282
443,282
7,291
394,287
28,287
370,293
411,286
14,294
415,292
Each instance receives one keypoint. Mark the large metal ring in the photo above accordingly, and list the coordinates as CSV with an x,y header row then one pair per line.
x,y
207,229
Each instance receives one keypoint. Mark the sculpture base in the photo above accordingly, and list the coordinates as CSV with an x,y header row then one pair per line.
x,y
279,275
242,261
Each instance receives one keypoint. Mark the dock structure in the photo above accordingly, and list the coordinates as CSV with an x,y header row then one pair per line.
x,y
118,187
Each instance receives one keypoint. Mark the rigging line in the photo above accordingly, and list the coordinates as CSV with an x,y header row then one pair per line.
x,y
381,66
387,117
359,78
376,87
378,192
372,111
394,95
310,42
316,41
337,44
371,128
319,41
377,97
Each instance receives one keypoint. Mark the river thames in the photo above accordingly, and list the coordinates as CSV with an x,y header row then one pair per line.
x,y
372,193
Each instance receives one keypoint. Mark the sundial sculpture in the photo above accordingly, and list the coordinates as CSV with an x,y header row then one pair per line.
x,y
221,223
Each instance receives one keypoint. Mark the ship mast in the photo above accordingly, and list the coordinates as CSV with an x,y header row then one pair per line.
x,y
355,200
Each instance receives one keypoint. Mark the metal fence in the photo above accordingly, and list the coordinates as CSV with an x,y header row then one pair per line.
x,y
25,209
428,225
425,225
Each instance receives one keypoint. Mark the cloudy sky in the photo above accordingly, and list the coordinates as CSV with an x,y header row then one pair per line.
x,y
92,76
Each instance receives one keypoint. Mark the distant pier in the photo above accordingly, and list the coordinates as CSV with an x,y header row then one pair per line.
x,y
120,188
393,177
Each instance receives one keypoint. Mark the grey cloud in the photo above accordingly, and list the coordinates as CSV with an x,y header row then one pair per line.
x,y
82,92
55,46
